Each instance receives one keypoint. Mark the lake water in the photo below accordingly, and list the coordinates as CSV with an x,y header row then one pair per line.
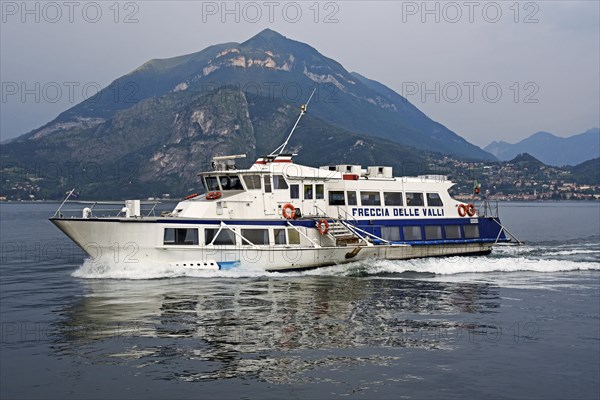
x,y
521,323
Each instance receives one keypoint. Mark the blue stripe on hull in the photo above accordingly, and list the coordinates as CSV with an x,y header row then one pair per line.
x,y
489,229
439,242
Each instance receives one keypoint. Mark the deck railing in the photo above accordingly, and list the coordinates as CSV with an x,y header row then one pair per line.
x,y
487,208
82,209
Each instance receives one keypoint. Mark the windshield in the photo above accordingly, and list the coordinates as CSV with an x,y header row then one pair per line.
x,y
252,181
231,182
211,183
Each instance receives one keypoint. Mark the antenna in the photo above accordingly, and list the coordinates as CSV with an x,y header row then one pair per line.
x,y
303,109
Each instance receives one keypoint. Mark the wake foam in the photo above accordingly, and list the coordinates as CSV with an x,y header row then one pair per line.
x,y
94,270
539,259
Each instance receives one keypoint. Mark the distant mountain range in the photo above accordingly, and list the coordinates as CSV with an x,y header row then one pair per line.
x,y
551,149
587,172
169,117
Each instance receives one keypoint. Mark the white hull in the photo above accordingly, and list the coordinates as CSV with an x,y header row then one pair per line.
x,y
282,216
138,244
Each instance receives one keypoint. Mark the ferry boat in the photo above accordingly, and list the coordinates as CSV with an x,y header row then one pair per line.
x,y
281,216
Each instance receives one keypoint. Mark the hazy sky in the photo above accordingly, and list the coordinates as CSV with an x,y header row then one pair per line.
x,y
487,70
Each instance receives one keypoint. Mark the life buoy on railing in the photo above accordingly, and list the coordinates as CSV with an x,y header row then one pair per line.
x,y
191,196
213,195
462,210
323,226
288,211
470,208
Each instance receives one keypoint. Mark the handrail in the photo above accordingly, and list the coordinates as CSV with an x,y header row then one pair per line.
x,y
503,228
302,233
106,212
351,229
152,210
346,215
488,208
63,203
212,242
365,232
224,225
310,178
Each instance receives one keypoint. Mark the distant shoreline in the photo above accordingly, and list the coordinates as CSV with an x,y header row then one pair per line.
x,y
177,201
79,201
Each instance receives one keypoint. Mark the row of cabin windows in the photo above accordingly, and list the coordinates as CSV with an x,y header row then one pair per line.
x,y
252,182
310,191
336,198
317,191
430,232
189,236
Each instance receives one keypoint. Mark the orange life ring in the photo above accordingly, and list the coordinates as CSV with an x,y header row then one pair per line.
x,y
462,210
323,226
288,211
191,196
470,208
213,195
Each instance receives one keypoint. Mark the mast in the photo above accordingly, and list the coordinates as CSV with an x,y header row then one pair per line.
x,y
279,150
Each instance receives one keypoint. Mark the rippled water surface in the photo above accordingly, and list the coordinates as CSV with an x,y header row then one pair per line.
x,y
522,322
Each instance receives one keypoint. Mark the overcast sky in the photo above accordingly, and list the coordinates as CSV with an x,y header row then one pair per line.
x,y
450,59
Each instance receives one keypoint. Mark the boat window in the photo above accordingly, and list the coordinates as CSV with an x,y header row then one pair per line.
x,y
255,236
336,199
391,233
212,183
434,200
231,182
452,231
471,231
351,198
225,236
279,235
370,199
268,184
294,191
180,236
412,233
308,192
414,199
320,191
279,182
393,199
252,181
433,232
293,236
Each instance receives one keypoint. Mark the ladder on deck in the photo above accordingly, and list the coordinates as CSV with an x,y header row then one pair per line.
x,y
341,235
345,233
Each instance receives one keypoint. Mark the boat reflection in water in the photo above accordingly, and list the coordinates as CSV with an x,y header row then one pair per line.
x,y
268,328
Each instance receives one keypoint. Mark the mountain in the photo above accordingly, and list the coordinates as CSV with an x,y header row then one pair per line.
x,y
551,149
159,145
526,158
587,172
153,129
527,163
270,65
